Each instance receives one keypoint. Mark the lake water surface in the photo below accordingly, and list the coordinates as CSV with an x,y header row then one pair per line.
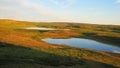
x,y
84,43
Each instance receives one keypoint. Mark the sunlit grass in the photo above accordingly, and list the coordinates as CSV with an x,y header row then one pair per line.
x,y
37,51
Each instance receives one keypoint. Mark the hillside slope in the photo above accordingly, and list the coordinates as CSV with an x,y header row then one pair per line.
x,y
25,49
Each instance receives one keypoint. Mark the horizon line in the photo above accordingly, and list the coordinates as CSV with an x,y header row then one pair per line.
x,y
57,22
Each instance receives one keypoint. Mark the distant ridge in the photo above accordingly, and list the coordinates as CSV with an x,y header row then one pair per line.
x,y
12,20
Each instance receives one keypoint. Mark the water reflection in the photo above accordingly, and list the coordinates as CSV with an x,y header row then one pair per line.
x,y
84,43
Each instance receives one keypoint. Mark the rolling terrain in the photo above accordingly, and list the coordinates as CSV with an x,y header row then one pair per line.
x,y
21,48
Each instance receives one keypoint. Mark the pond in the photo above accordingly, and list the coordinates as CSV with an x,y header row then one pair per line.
x,y
43,29
84,43
38,28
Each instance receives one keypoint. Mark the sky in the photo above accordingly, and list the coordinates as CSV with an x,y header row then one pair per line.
x,y
81,11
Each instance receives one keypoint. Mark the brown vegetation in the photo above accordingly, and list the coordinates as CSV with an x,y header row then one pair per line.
x,y
11,33
60,34
12,37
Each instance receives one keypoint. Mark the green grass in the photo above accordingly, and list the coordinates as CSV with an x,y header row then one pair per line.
x,y
15,54
67,57
32,55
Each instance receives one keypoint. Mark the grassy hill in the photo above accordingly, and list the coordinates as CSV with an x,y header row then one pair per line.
x,y
20,48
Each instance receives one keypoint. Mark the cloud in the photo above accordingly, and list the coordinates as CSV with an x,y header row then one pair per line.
x,y
118,1
63,3
25,9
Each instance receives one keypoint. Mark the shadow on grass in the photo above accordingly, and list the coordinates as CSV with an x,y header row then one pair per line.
x,y
14,56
